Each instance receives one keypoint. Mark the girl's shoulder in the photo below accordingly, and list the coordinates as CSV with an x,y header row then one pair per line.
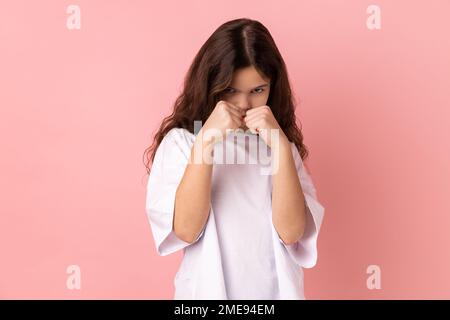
x,y
178,132
178,137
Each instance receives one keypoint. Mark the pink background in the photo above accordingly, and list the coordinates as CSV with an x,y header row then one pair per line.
x,y
78,108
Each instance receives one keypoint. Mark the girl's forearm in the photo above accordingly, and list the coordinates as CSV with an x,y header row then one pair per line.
x,y
193,195
288,201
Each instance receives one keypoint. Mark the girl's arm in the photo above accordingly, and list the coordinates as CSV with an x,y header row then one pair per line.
x,y
193,195
288,201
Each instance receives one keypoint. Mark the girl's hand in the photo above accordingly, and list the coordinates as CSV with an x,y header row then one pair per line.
x,y
225,117
260,118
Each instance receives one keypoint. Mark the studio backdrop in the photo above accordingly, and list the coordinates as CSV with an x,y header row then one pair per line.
x,y
84,86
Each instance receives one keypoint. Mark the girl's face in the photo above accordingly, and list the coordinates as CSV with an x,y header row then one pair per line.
x,y
247,89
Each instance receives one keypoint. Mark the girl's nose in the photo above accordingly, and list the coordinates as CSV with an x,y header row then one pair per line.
x,y
243,110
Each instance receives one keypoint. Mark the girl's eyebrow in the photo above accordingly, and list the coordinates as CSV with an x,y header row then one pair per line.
x,y
260,86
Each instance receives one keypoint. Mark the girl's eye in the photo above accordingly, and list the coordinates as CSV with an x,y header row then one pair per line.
x,y
228,90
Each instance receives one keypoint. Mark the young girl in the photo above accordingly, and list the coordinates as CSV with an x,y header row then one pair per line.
x,y
246,232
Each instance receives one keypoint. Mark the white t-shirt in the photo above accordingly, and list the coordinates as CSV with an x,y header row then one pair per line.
x,y
235,256
241,199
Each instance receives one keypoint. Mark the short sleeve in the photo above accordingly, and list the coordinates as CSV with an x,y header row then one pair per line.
x,y
169,164
304,251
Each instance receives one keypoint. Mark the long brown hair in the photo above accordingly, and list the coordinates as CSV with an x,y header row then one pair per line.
x,y
235,44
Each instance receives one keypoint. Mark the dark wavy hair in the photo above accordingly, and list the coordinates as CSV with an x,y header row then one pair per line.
x,y
235,44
